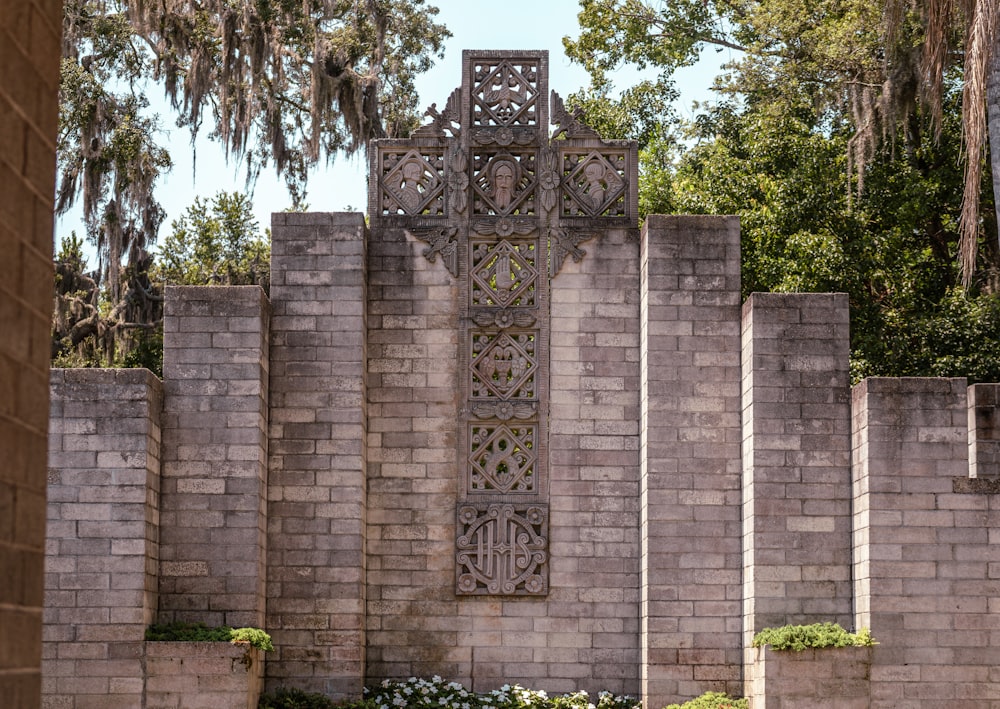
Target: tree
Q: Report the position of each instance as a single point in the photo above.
(775, 150)
(834, 51)
(282, 83)
(216, 242)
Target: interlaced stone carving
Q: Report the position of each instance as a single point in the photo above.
(502, 459)
(503, 365)
(504, 93)
(502, 549)
(505, 205)
(594, 184)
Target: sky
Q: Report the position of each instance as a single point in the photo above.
(342, 186)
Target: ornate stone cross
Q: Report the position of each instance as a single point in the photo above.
(503, 202)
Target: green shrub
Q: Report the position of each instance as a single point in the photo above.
(817, 635)
(712, 700)
(288, 698)
(199, 632)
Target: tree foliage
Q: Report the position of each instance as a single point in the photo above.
(215, 242)
(280, 83)
(778, 149)
(882, 70)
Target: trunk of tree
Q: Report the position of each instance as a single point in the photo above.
(993, 118)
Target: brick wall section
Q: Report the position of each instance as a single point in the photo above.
(202, 675)
(830, 678)
(584, 634)
(592, 619)
(796, 461)
(104, 485)
(215, 369)
(316, 488)
(29, 80)
(416, 626)
(984, 431)
(690, 457)
(926, 559)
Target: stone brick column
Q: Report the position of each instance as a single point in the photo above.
(796, 461)
(984, 431)
(690, 457)
(104, 487)
(29, 84)
(926, 552)
(215, 371)
(316, 491)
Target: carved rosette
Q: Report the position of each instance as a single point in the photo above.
(485, 188)
(502, 549)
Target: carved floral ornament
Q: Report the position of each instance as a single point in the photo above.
(486, 188)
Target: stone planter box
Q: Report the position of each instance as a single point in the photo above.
(203, 675)
(829, 678)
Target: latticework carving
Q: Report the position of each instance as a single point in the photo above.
(594, 183)
(502, 549)
(504, 273)
(504, 183)
(503, 204)
(503, 365)
(502, 458)
(412, 183)
(505, 93)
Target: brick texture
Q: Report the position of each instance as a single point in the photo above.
(29, 79)
(215, 368)
(796, 461)
(926, 556)
(316, 485)
(689, 488)
(103, 527)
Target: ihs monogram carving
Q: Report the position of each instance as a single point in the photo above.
(504, 205)
(502, 549)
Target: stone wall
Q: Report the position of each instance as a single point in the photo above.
(103, 535)
(215, 420)
(29, 80)
(699, 487)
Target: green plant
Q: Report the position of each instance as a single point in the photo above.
(817, 635)
(199, 632)
(712, 700)
(290, 698)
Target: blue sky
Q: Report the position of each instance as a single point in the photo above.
(474, 24)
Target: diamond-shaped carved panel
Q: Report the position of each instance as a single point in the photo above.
(503, 365)
(504, 274)
(412, 182)
(504, 183)
(595, 184)
(505, 93)
(502, 458)
(502, 549)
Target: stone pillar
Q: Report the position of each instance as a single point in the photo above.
(796, 461)
(690, 457)
(215, 371)
(29, 83)
(926, 553)
(984, 431)
(104, 487)
(316, 491)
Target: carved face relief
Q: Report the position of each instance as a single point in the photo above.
(503, 181)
